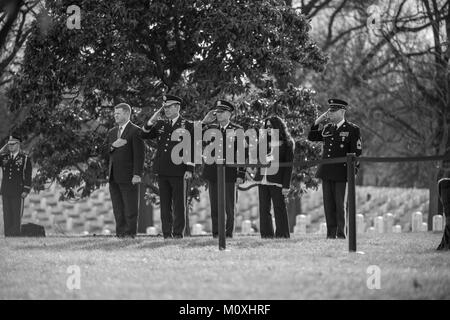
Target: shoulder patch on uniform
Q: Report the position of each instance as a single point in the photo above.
(359, 144)
(351, 124)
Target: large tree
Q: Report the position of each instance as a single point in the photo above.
(391, 60)
(15, 27)
(133, 51)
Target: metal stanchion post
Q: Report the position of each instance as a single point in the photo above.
(221, 203)
(351, 157)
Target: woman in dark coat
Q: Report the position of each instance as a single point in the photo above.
(274, 187)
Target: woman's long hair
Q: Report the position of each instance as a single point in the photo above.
(280, 124)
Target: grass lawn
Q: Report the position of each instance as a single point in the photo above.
(304, 267)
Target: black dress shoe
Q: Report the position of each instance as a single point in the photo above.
(168, 237)
(120, 235)
(178, 236)
(129, 235)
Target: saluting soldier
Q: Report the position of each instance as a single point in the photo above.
(171, 177)
(339, 137)
(16, 184)
(219, 118)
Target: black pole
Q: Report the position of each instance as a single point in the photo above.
(351, 202)
(186, 188)
(221, 203)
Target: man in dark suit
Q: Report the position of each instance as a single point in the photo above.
(339, 137)
(16, 184)
(171, 176)
(126, 166)
(219, 118)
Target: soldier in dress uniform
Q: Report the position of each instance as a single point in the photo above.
(16, 184)
(171, 177)
(219, 118)
(339, 137)
(444, 195)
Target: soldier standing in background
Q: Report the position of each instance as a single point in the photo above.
(339, 137)
(171, 177)
(16, 184)
(219, 118)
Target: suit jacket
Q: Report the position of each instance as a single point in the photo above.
(283, 175)
(128, 160)
(336, 144)
(231, 173)
(16, 174)
(162, 130)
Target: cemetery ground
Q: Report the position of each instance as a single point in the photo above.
(303, 267)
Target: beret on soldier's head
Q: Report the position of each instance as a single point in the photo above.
(336, 104)
(224, 105)
(169, 99)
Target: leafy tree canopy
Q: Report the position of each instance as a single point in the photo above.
(132, 51)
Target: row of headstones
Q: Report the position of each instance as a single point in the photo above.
(198, 229)
(382, 224)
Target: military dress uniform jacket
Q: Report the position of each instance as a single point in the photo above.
(336, 143)
(16, 174)
(231, 173)
(162, 130)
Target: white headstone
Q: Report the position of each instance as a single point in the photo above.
(379, 224)
(300, 229)
(197, 229)
(438, 223)
(300, 226)
(246, 227)
(43, 204)
(424, 227)
(69, 224)
(389, 222)
(397, 228)
(153, 231)
(416, 221)
(371, 230)
(323, 228)
(360, 225)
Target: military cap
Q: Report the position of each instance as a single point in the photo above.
(336, 104)
(224, 105)
(169, 99)
(14, 137)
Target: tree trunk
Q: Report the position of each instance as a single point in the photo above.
(434, 197)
